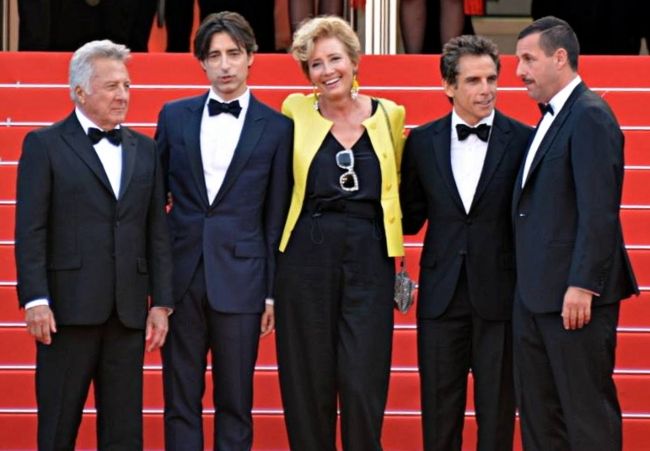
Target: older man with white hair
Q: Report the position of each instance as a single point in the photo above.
(91, 246)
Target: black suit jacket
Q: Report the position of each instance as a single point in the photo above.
(482, 238)
(566, 217)
(238, 234)
(78, 246)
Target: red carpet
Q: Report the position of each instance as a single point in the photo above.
(33, 93)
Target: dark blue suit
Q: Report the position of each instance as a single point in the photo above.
(224, 260)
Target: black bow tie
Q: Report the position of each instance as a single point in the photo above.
(215, 107)
(114, 136)
(482, 131)
(545, 108)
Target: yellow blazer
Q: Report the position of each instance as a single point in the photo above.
(310, 129)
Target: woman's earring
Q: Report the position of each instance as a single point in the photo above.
(354, 91)
(315, 99)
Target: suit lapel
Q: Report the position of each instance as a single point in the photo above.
(516, 195)
(250, 135)
(128, 159)
(78, 141)
(557, 124)
(192, 140)
(499, 138)
(442, 152)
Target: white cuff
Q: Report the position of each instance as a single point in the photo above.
(269, 301)
(36, 303)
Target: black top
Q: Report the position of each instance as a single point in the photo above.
(324, 173)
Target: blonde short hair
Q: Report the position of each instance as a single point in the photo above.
(314, 29)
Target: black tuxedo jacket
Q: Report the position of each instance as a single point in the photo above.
(238, 234)
(566, 217)
(482, 238)
(76, 244)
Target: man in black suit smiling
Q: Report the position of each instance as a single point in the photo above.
(572, 266)
(91, 245)
(458, 173)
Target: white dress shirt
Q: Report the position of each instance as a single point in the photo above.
(467, 158)
(219, 138)
(557, 102)
(109, 154)
(111, 159)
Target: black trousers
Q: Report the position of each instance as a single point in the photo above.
(565, 390)
(232, 339)
(109, 355)
(334, 324)
(448, 347)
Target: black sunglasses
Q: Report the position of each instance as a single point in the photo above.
(348, 180)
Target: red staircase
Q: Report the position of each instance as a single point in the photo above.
(33, 93)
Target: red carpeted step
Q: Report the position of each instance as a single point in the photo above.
(632, 351)
(8, 182)
(635, 186)
(637, 147)
(410, 70)
(641, 264)
(401, 433)
(7, 221)
(269, 432)
(635, 312)
(636, 224)
(637, 144)
(9, 312)
(403, 396)
(626, 105)
(11, 141)
(404, 386)
(16, 348)
(52, 104)
(7, 264)
(32, 104)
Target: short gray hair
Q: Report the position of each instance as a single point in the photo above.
(81, 64)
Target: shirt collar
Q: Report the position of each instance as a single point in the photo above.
(456, 119)
(86, 122)
(559, 99)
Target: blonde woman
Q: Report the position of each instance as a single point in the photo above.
(335, 276)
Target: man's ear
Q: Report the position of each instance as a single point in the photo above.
(81, 94)
(448, 89)
(561, 57)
